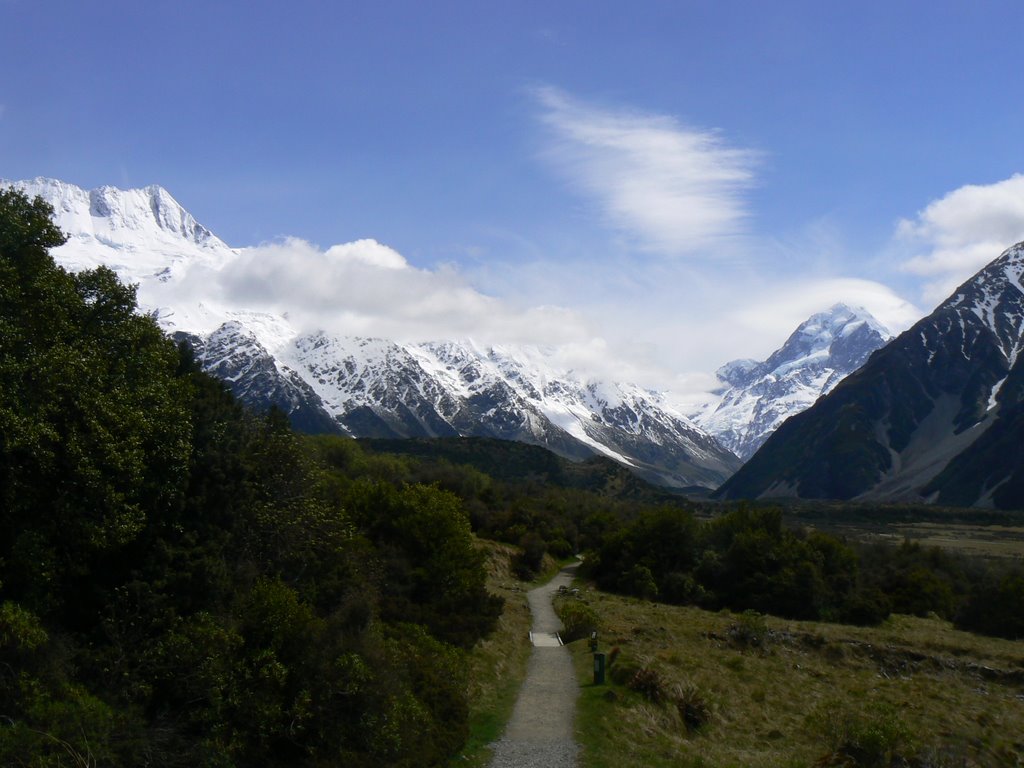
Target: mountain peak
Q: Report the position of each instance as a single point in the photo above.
(370, 386)
(113, 209)
(142, 234)
(759, 396)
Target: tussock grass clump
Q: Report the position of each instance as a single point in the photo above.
(693, 707)
(695, 711)
(750, 630)
(871, 737)
(648, 682)
(623, 671)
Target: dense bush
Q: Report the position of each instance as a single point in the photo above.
(745, 558)
(579, 620)
(871, 737)
(918, 580)
(995, 606)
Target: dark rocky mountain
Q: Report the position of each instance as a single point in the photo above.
(937, 415)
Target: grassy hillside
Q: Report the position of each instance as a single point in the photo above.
(789, 693)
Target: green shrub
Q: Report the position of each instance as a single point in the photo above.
(20, 630)
(867, 608)
(872, 737)
(749, 630)
(639, 581)
(623, 671)
(578, 618)
(996, 607)
(527, 563)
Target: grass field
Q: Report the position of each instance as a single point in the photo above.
(983, 533)
(786, 693)
(775, 692)
(1001, 541)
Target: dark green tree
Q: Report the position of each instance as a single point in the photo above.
(94, 434)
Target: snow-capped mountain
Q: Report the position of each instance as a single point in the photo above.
(363, 386)
(758, 396)
(142, 234)
(936, 415)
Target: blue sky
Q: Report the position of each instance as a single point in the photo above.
(680, 182)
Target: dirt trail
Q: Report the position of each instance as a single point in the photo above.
(540, 732)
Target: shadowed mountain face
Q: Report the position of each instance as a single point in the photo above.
(936, 415)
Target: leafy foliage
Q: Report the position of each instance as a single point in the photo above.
(745, 559)
(578, 619)
(995, 605)
(872, 737)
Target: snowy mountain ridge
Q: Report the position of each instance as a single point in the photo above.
(362, 386)
(990, 297)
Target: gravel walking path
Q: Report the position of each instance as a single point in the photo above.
(540, 733)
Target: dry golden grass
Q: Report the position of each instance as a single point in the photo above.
(953, 697)
(987, 541)
(976, 540)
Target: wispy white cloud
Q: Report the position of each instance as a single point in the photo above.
(667, 325)
(958, 234)
(673, 189)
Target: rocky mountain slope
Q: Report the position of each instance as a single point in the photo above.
(757, 397)
(937, 415)
(370, 387)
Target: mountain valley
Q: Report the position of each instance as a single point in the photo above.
(952, 380)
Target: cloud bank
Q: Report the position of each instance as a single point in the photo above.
(361, 288)
(672, 189)
(958, 234)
